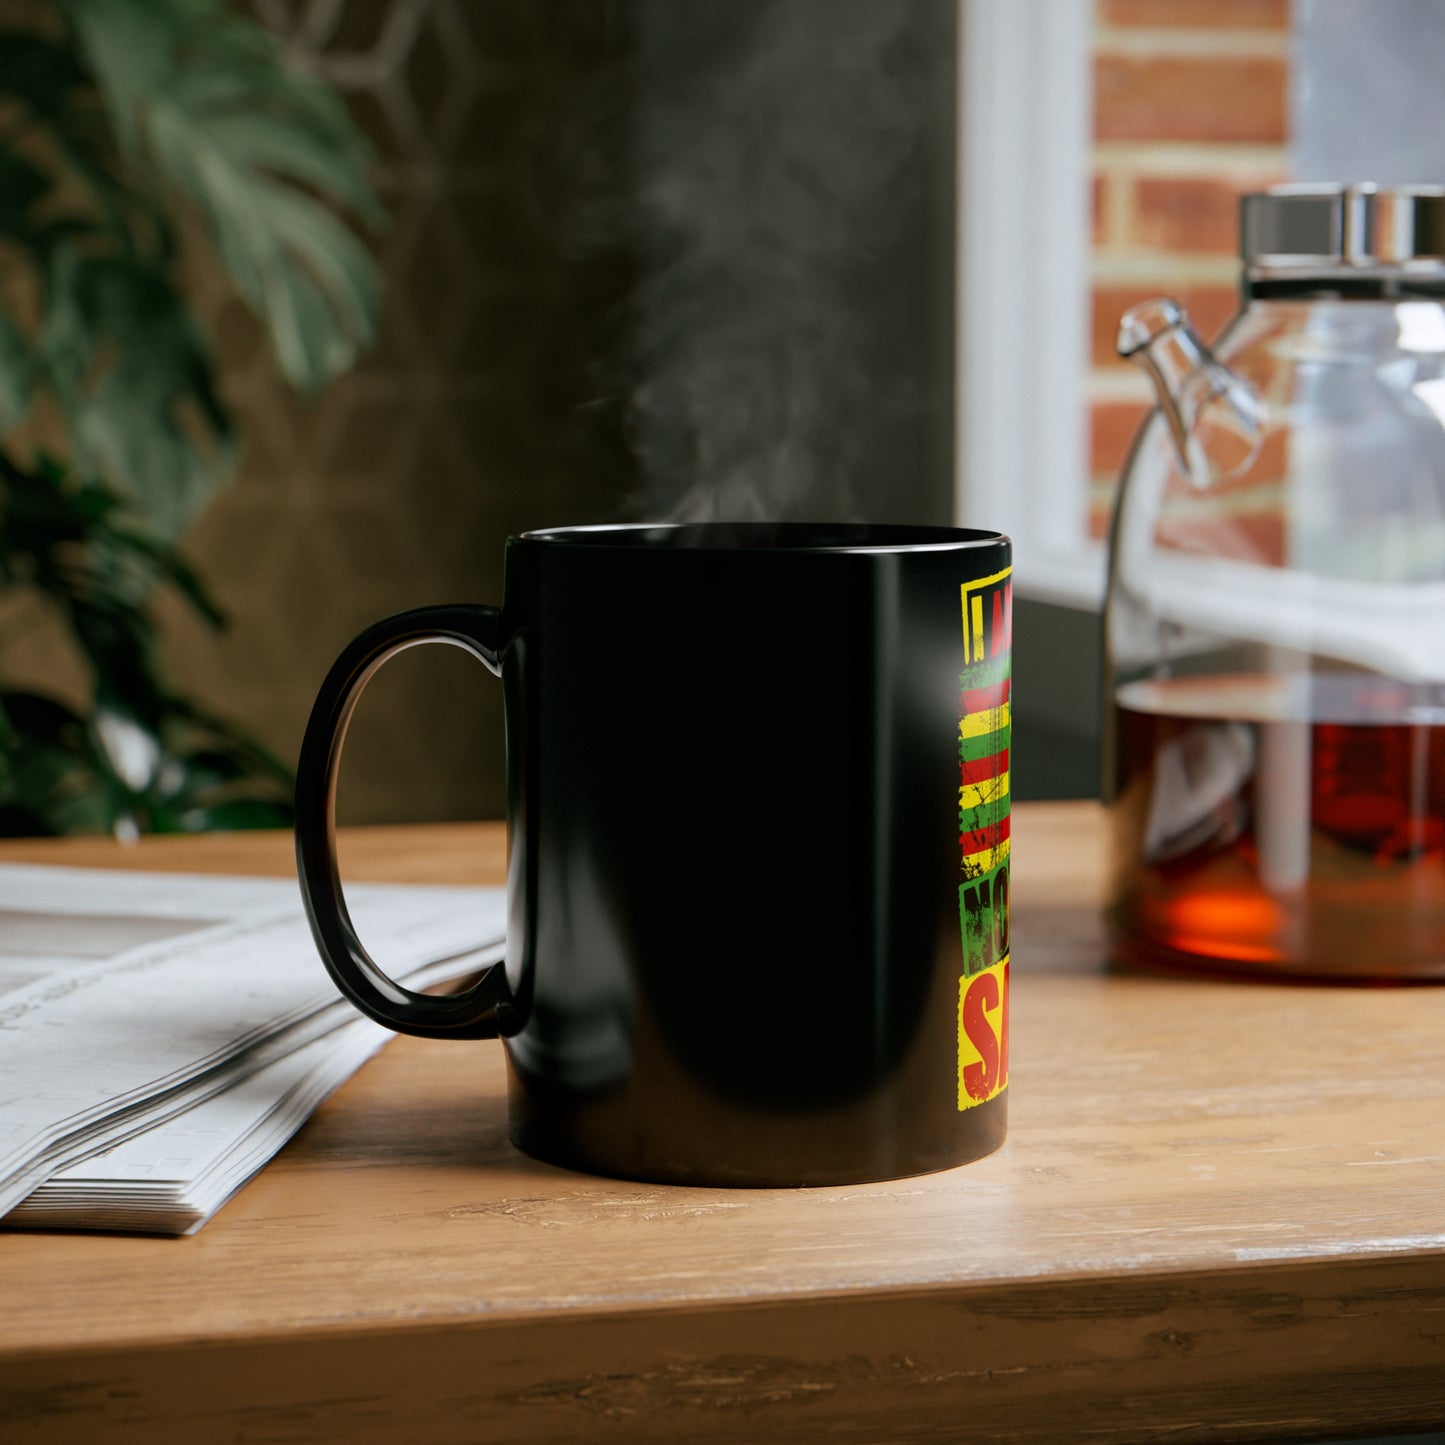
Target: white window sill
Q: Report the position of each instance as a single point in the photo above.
(1072, 578)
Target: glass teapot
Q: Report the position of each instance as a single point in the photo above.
(1275, 623)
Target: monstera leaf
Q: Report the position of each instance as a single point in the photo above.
(148, 416)
(203, 99)
(15, 377)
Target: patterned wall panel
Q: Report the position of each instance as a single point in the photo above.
(475, 417)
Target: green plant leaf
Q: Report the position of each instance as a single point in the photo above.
(306, 275)
(264, 153)
(232, 814)
(64, 773)
(135, 104)
(209, 731)
(17, 375)
(21, 186)
(51, 784)
(134, 378)
(54, 93)
(40, 74)
(129, 47)
(170, 566)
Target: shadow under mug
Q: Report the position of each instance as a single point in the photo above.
(758, 811)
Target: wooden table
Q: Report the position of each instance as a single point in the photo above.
(1220, 1214)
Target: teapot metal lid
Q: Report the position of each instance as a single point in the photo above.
(1339, 232)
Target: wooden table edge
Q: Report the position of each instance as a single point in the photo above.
(1118, 1358)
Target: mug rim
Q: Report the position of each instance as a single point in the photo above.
(868, 537)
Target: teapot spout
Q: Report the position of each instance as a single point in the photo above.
(1216, 418)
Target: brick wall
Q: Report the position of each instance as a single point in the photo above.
(1190, 111)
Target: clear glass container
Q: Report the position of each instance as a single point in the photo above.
(1275, 623)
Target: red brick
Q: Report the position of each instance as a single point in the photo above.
(1217, 522)
(1101, 516)
(1256, 489)
(1270, 467)
(1175, 97)
(1112, 427)
(1209, 307)
(1187, 213)
(1198, 14)
(1244, 536)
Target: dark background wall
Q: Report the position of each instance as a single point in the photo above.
(1056, 702)
(646, 258)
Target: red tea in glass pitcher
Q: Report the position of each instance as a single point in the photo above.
(1283, 825)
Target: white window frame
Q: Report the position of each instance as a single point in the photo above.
(1023, 233)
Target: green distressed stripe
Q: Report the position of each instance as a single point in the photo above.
(981, 674)
(985, 745)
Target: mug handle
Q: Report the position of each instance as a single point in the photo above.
(471, 1014)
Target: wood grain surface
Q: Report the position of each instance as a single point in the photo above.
(1220, 1214)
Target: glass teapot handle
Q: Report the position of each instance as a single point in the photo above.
(1216, 418)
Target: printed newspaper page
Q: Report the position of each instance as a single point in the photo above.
(127, 999)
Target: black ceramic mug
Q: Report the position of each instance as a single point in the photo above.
(758, 813)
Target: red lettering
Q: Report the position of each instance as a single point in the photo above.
(981, 999)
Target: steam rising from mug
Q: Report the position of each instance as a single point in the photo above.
(786, 344)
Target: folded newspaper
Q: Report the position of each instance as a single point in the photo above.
(163, 1034)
